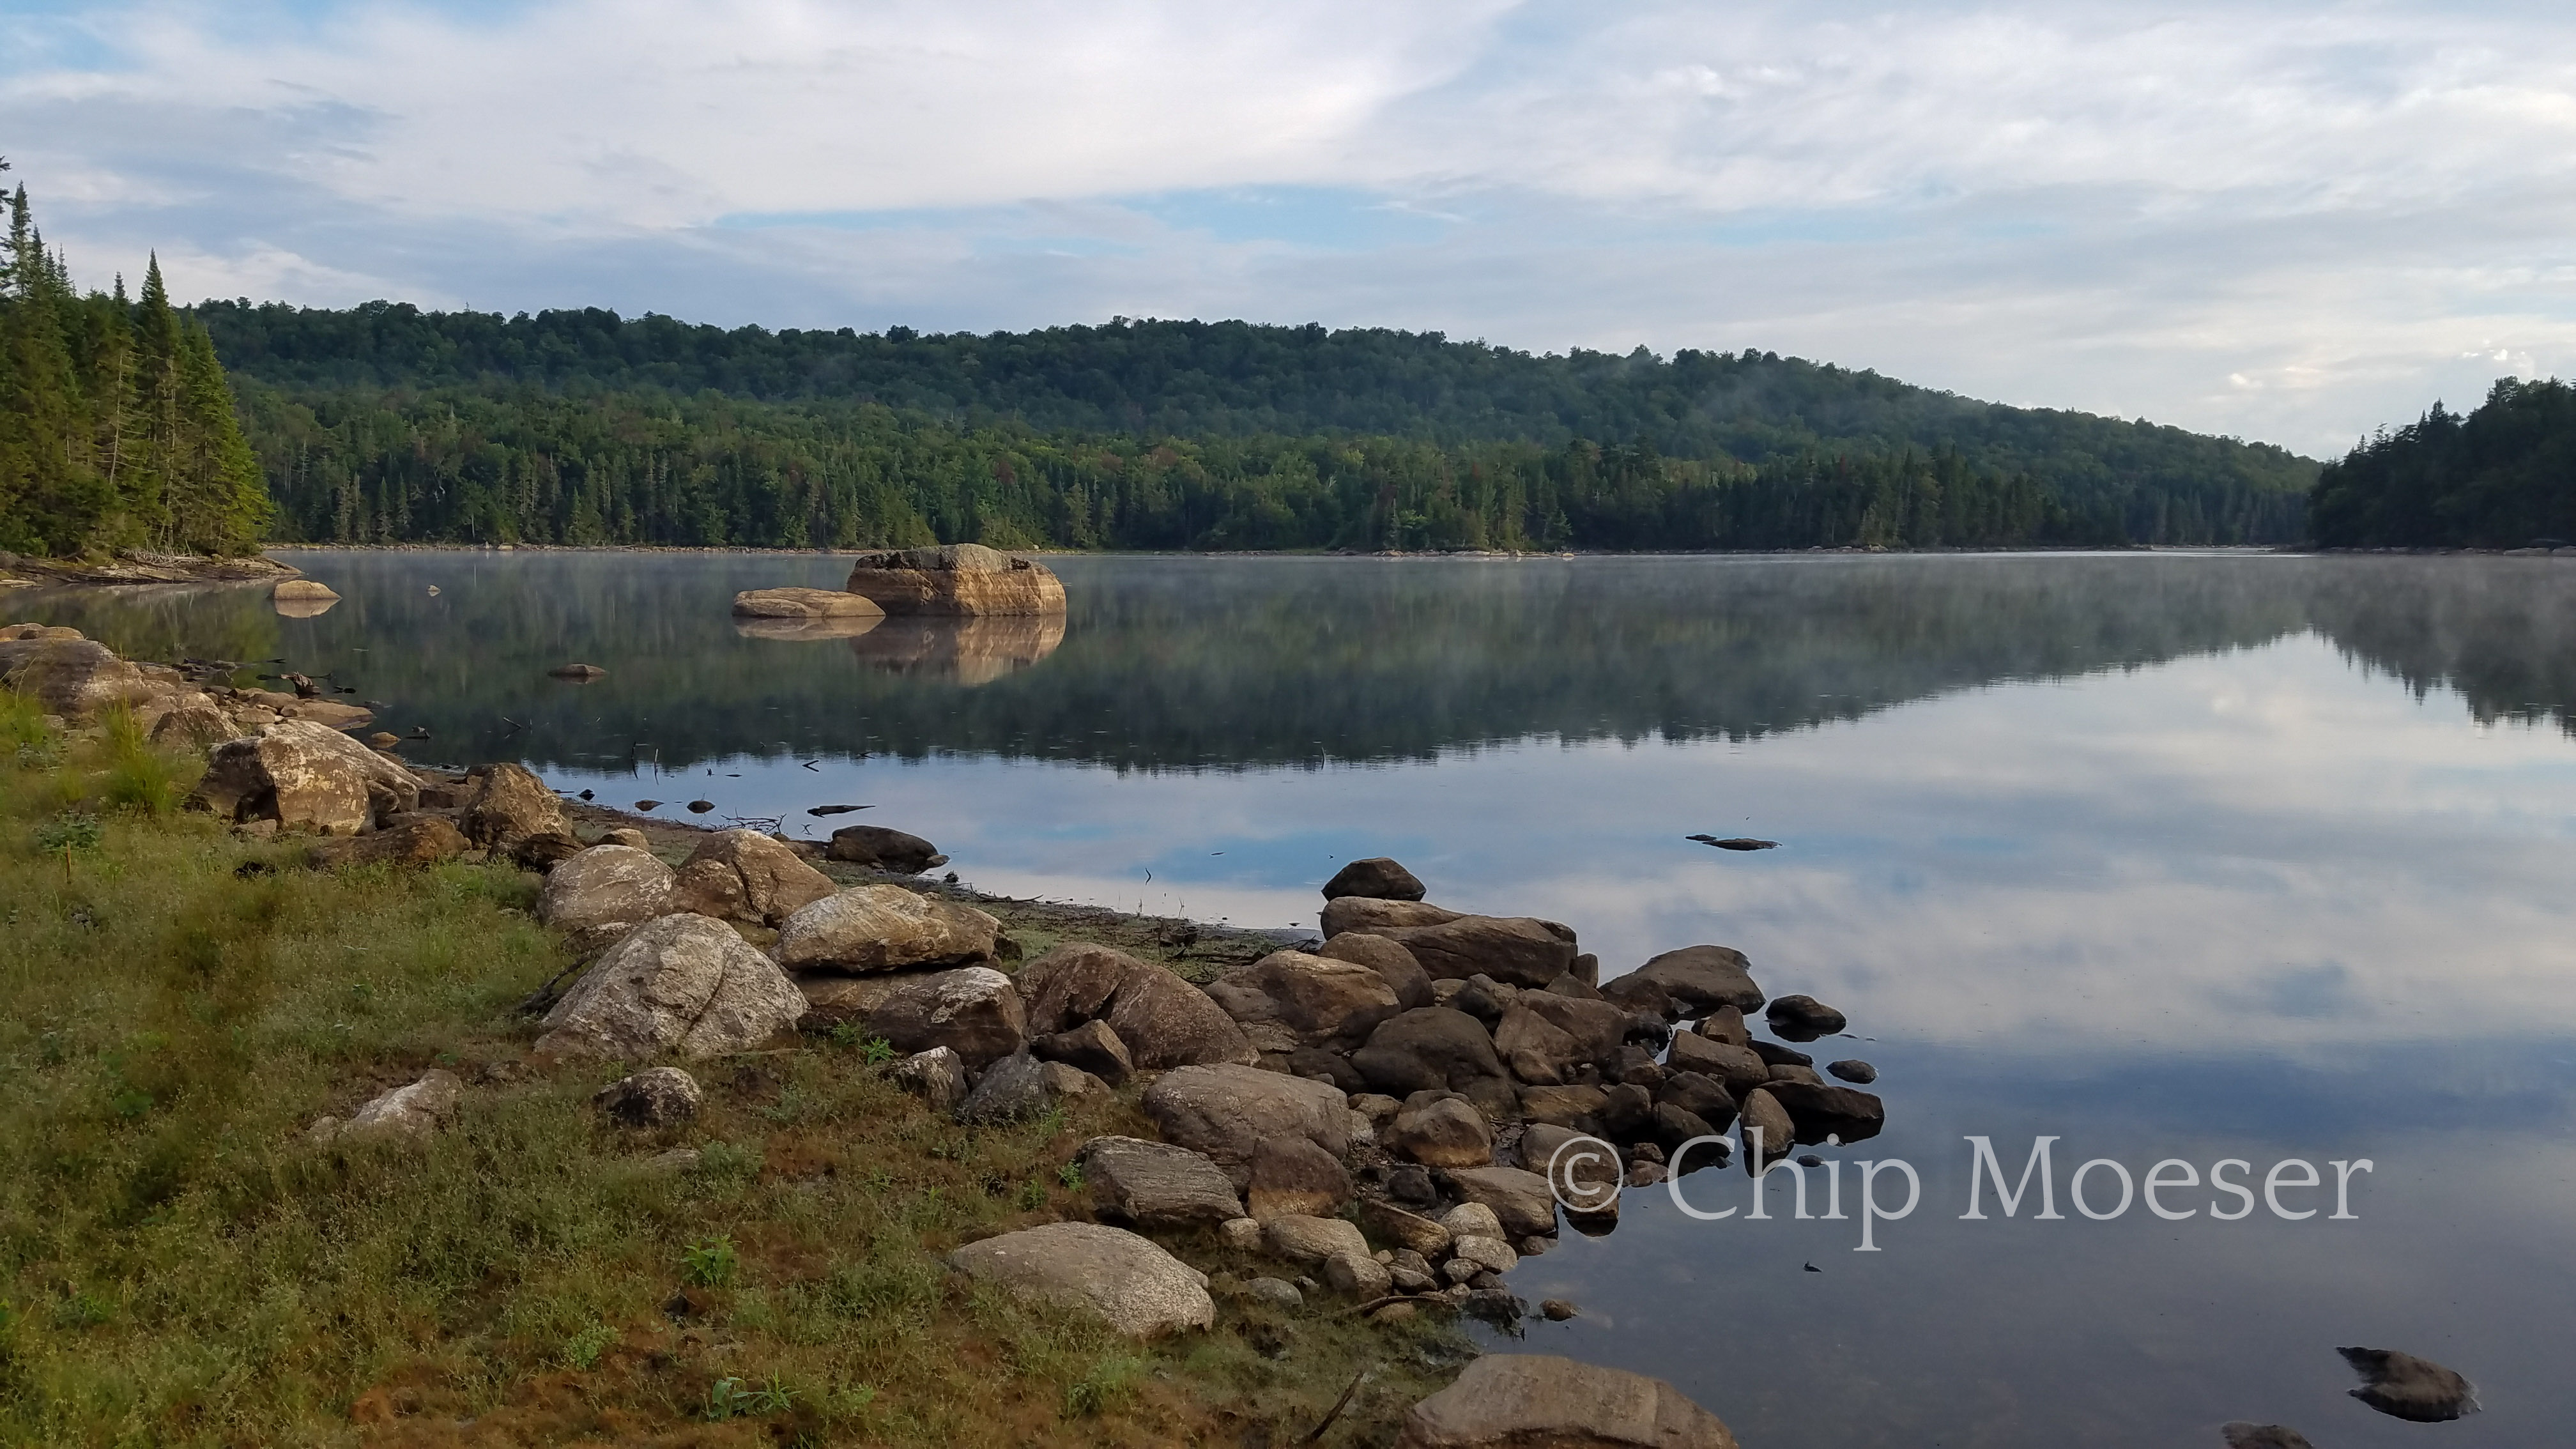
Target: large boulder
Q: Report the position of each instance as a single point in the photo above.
(971, 1010)
(421, 842)
(879, 848)
(1228, 1111)
(305, 776)
(1165, 1021)
(1378, 878)
(1515, 950)
(1091, 1047)
(603, 892)
(680, 985)
(1563, 1106)
(883, 928)
(509, 804)
(1394, 964)
(1700, 979)
(1803, 1018)
(1699, 1094)
(1124, 1280)
(743, 875)
(1426, 1048)
(193, 727)
(1740, 1069)
(1597, 1027)
(1373, 915)
(804, 604)
(1154, 1184)
(1540, 1401)
(74, 678)
(958, 578)
(1289, 999)
(1302, 1238)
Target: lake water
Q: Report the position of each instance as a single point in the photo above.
(2167, 856)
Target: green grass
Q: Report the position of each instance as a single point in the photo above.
(179, 1266)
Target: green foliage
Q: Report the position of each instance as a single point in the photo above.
(139, 776)
(24, 740)
(117, 428)
(1070, 1175)
(385, 424)
(69, 831)
(583, 1349)
(1109, 1382)
(732, 1398)
(710, 1264)
(2502, 476)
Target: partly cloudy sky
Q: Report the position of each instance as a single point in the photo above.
(2287, 221)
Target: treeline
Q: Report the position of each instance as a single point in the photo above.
(464, 465)
(1234, 391)
(116, 425)
(2502, 476)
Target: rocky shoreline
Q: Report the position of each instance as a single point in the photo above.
(18, 571)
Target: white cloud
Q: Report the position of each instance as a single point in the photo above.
(2285, 220)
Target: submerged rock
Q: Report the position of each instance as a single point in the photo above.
(2406, 1387)
(1540, 1401)
(804, 604)
(2241, 1435)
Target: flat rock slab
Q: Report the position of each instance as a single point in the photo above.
(1132, 1285)
(972, 1010)
(1228, 1111)
(804, 604)
(1540, 1401)
(1154, 1184)
(957, 578)
(1702, 978)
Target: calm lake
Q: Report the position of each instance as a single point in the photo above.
(2165, 856)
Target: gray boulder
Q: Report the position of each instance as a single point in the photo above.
(304, 776)
(1228, 1111)
(1520, 1200)
(679, 985)
(407, 1113)
(1369, 914)
(1293, 1175)
(603, 892)
(883, 928)
(1516, 950)
(1358, 1275)
(1126, 1281)
(1163, 1020)
(972, 1010)
(1702, 978)
(1539, 1401)
(1091, 1047)
(1445, 1132)
(1154, 1184)
(1378, 877)
(1020, 1087)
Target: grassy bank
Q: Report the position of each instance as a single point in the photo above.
(179, 1266)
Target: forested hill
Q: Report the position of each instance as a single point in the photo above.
(1228, 399)
(2502, 476)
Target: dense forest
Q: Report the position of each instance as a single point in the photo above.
(117, 429)
(2502, 476)
(385, 423)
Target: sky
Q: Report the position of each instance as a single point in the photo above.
(2292, 222)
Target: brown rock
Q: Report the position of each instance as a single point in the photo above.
(1378, 878)
(804, 604)
(868, 929)
(1164, 1021)
(1154, 1184)
(1563, 1106)
(1428, 1047)
(420, 842)
(302, 775)
(74, 677)
(196, 726)
(1413, 1232)
(1516, 950)
(1289, 999)
(508, 805)
(1536, 1049)
(971, 1010)
(879, 848)
(1446, 1132)
(1738, 1068)
(1228, 1111)
(1521, 1200)
(1376, 917)
(654, 1097)
(1092, 1047)
(743, 875)
(1596, 1027)
(1703, 978)
(1726, 1024)
(1820, 1111)
(1762, 1113)
(1293, 1175)
(1390, 961)
(961, 578)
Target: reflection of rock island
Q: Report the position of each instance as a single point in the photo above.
(975, 650)
(832, 626)
(302, 599)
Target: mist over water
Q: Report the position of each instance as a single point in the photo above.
(2169, 856)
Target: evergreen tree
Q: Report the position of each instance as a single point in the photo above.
(50, 500)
